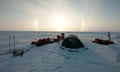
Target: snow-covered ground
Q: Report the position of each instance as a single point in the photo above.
(50, 58)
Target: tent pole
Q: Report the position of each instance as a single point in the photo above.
(9, 42)
(14, 41)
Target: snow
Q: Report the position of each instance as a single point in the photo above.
(50, 58)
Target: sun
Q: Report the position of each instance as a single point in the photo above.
(60, 23)
(36, 25)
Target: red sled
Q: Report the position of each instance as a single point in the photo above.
(104, 42)
(41, 42)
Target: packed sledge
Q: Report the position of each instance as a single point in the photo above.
(104, 42)
(48, 40)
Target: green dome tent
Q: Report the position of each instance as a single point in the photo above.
(72, 42)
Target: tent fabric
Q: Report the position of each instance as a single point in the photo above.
(72, 41)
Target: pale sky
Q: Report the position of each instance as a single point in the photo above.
(60, 15)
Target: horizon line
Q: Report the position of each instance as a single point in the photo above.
(51, 31)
